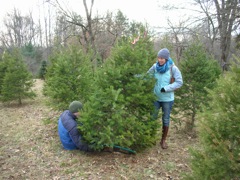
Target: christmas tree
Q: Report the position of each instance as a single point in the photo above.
(68, 78)
(200, 71)
(16, 81)
(118, 112)
(218, 154)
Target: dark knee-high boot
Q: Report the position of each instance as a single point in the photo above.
(164, 137)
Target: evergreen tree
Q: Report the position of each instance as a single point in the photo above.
(28, 50)
(32, 56)
(43, 70)
(218, 155)
(3, 69)
(199, 72)
(68, 78)
(118, 112)
(17, 81)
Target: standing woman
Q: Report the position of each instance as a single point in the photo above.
(164, 71)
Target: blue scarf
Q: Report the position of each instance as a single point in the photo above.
(165, 67)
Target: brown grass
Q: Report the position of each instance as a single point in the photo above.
(30, 149)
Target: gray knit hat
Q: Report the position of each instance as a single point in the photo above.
(75, 106)
(164, 53)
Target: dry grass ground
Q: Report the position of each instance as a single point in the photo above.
(30, 149)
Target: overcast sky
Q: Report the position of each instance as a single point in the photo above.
(140, 10)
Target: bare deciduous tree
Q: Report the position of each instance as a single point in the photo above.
(20, 30)
(87, 36)
(180, 35)
(214, 22)
(97, 33)
(223, 20)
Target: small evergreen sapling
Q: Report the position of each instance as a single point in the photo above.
(43, 70)
(3, 69)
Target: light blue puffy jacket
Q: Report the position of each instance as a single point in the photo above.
(163, 81)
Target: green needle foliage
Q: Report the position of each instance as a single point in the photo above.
(3, 69)
(118, 112)
(15, 80)
(43, 70)
(199, 71)
(219, 155)
(69, 77)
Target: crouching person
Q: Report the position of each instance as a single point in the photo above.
(68, 131)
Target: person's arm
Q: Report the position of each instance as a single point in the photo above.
(178, 80)
(77, 139)
(151, 71)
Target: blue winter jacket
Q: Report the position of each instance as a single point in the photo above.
(69, 134)
(163, 81)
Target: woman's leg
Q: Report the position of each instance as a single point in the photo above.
(157, 106)
(166, 108)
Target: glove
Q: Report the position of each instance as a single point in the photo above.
(163, 90)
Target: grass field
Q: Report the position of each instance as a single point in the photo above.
(30, 149)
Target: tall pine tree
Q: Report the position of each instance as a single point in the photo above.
(218, 155)
(16, 81)
(43, 70)
(118, 112)
(69, 77)
(3, 69)
(199, 71)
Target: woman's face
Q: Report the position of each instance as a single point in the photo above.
(161, 61)
(77, 114)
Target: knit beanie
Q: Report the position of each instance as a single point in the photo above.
(75, 106)
(164, 53)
